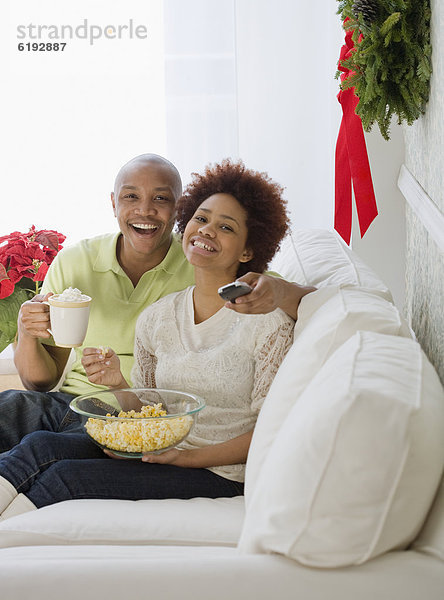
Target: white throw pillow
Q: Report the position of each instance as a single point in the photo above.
(354, 468)
(326, 319)
(320, 257)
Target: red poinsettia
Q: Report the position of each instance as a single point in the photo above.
(27, 255)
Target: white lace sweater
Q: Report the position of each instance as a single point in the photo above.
(229, 360)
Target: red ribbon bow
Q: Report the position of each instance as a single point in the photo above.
(351, 159)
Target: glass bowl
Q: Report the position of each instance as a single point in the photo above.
(137, 421)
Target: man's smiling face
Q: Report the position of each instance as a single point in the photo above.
(144, 203)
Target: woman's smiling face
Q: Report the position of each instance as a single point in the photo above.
(216, 235)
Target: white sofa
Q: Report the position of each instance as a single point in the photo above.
(343, 494)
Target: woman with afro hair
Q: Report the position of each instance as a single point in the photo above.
(232, 220)
(261, 198)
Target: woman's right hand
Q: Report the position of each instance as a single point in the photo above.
(102, 367)
(33, 318)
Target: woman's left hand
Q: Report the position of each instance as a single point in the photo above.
(230, 452)
(169, 457)
(116, 456)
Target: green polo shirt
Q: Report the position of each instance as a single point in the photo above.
(92, 267)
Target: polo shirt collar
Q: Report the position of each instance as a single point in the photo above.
(107, 258)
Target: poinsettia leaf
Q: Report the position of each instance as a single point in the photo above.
(48, 239)
(6, 288)
(7, 336)
(3, 238)
(41, 273)
(9, 308)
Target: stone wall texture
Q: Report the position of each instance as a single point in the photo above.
(424, 142)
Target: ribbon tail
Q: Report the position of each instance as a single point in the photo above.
(363, 188)
(358, 162)
(343, 187)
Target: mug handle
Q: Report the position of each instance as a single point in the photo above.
(48, 304)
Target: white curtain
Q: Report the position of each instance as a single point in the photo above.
(214, 78)
(70, 119)
(255, 79)
(200, 82)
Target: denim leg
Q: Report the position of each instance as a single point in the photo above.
(22, 412)
(24, 463)
(51, 467)
(126, 480)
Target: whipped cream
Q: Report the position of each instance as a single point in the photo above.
(72, 295)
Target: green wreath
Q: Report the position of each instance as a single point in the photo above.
(392, 62)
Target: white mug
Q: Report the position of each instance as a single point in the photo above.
(69, 321)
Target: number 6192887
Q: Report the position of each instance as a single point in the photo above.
(42, 46)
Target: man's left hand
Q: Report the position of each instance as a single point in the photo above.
(264, 298)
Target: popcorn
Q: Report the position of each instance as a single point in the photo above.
(142, 436)
(72, 295)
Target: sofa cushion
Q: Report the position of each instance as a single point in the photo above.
(431, 538)
(199, 521)
(320, 257)
(327, 318)
(354, 468)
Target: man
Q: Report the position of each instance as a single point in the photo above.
(123, 273)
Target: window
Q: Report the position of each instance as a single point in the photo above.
(70, 118)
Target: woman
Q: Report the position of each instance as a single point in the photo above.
(232, 220)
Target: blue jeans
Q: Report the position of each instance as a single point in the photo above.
(51, 467)
(22, 412)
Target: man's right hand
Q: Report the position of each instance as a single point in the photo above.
(39, 365)
(33, 317)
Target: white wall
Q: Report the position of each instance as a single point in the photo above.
(288, 112)
(384, 245)
(289, 120)
(425, 161)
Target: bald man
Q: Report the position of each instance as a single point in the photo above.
(123, 273)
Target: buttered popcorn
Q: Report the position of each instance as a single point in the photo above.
(142, 436)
